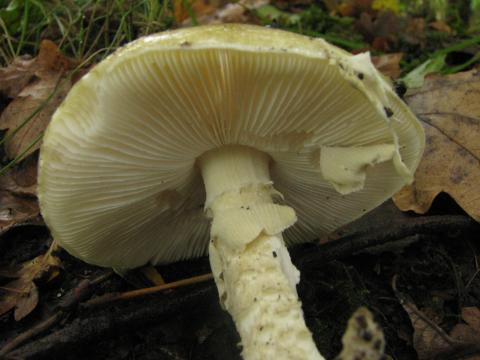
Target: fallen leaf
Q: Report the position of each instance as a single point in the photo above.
(441, 26)
(449, 109)
(429, 340)
(16, 76)
(17, 210)
(432, 342)
(45, 84)
(185, 9)
(22, 293)
(468, 333)
(414, 32)
(238, 12)
(380, 29)
(22, 178)
(388, 64)
(351, 8)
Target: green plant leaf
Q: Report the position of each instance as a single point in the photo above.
(415, 78)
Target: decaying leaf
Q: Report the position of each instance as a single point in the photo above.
(441, 26)
(449, 108)
(469, 333)
(414, 32)
(363, 338)
(388, 64)
(197, 8)
(16, 76)
(16, 210)
(44, 84)
(22, 293)
(380, 29)
(18, 188)
(22, 178)
(228, 12)
(431, 341)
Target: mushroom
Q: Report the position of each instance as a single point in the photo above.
(230, 140)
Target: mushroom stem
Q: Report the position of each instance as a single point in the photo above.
(255, 277)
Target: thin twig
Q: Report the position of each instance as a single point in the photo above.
(108, 298)
(30, 333)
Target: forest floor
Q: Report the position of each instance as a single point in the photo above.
(418, 272)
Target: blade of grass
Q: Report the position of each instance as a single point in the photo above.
(187, 4)
(20, 157)
(8, 39)
(24, 26)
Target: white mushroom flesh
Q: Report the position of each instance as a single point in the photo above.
(253, 271)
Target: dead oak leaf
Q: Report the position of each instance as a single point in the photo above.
(450, 113)
(45, 83)
(22, 292)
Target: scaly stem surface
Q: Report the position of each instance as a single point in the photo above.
(255, 277)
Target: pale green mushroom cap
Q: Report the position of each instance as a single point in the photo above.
(118, 181)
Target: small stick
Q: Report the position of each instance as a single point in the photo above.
(108, 298)
(25, 336)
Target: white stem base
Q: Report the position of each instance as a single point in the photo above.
(259, 287)
(255, 277)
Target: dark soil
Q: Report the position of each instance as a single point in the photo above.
(432, 257)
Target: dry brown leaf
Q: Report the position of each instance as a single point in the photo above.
(238, 12)
(16, 76)
(431, 342)
(441, 26)
(388, 64)
(414, 32)
(351, 8)
(449, 108)
(22, 178)
(17, 210)
(22, 293)
(380, 29)
(468, 333)
(183, 9)
(42, 78)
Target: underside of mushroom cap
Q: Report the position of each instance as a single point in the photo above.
(118, 181)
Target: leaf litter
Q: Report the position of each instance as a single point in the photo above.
(449, 109)
(23, 80)
(431, 341)
(22, 293)
(37, 87)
